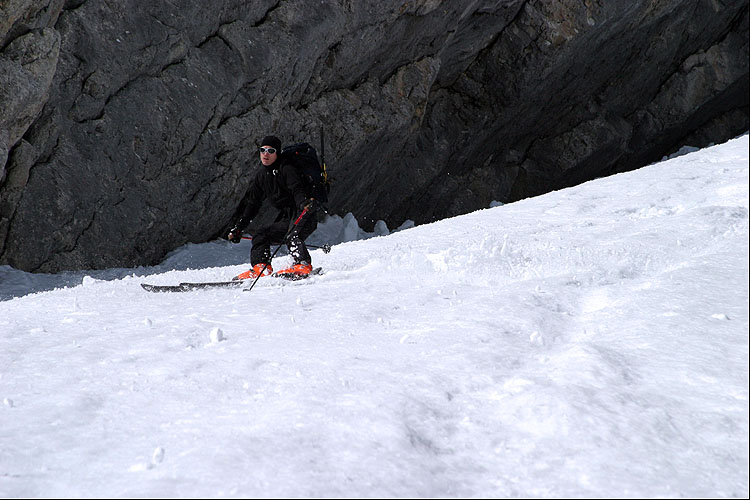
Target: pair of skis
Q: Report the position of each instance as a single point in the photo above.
(190, 286)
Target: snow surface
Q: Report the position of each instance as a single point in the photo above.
(591, 342)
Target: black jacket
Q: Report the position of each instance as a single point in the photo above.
(281, 184)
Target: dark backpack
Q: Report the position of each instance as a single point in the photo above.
(305, 158)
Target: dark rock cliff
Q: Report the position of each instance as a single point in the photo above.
(129, 128)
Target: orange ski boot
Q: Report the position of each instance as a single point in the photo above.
(257, 270)
(296, 272)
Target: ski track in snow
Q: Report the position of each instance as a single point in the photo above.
(589, 342)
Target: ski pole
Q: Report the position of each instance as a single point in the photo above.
(326, 247)
(288, 233)
(323, 161)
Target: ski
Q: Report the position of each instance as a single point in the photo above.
(297, 277)
(292, 276)
(188, 286)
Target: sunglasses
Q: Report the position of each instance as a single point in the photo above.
(270, 151)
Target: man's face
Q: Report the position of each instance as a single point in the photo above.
(267, 157)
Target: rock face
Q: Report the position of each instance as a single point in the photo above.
(129, 128)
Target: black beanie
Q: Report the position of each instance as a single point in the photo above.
(272, 141)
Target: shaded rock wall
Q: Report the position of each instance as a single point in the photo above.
(129, 128)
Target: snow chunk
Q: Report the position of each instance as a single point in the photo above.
(158, 456)
(216, 335)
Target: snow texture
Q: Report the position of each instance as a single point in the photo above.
(591, 342)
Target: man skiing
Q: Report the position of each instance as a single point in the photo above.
(279, 181)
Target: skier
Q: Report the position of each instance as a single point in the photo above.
(280, 182)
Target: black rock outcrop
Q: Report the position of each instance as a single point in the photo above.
(129, 128)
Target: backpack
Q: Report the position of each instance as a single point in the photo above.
(305, 158)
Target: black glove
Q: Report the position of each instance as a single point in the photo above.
(235, 235)
(311, 205)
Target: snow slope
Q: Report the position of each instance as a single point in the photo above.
(591, 342)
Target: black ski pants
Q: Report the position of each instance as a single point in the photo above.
(273, 234)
